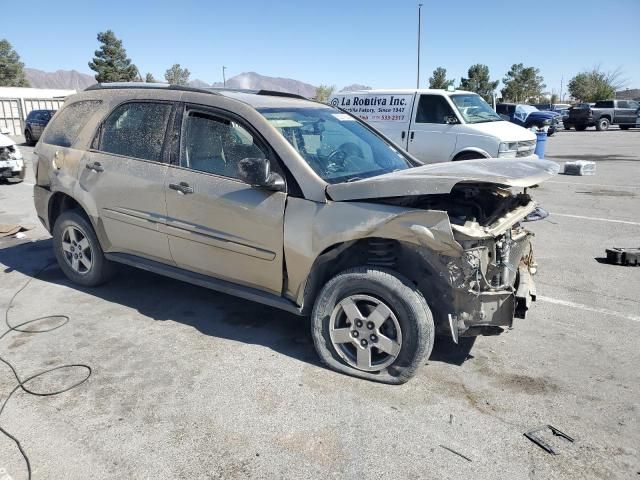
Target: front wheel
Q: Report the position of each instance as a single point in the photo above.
(374, 324)
(28, 138)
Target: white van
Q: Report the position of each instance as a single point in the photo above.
(439, 125)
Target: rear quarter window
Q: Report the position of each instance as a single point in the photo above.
(66, 126)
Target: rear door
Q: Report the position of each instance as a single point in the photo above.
(431, 138)
(124, 174)
(217, 224)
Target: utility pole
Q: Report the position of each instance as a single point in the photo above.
(419, 28)
(561, 82)
(224, 79)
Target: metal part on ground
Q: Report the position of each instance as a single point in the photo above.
(532, 435)
(623, 256)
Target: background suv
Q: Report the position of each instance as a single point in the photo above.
(292, 203)
(35, 123)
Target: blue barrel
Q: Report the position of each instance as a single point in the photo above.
(541, 143)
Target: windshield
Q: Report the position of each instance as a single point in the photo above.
(335, 145)
(474, 109)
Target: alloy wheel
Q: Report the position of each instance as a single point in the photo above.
(77, 250)
(365, 332)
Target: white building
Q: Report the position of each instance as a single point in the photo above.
(17, 102)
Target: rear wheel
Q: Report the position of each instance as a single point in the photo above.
(374, 324)
(602, 125)
(78, 251)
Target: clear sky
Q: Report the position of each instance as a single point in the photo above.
(335, 42)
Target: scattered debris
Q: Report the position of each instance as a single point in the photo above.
(580, 167)
(538, 214)
(623, 256)
(10, 229)
(457, 453)
(450, 418)
(538, 440)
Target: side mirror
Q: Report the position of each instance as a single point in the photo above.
(257, 172)
(451, 120)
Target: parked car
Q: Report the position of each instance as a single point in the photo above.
(552, 107)
(12, 168)
(528, 116)
(294, 204)
(603, 114)
(34, 124)
(438, 125)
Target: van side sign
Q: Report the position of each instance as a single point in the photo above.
(376, 108)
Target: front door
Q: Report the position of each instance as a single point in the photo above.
(124, 174)
(431, 138)
(217, 224)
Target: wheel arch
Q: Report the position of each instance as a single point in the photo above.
(470, 150)
(373, 251)
(61, 202)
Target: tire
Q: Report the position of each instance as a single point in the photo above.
(468, 156)
(581, 128)
(28, 138)
(566, 127)
(625, 127)
(407, 327)
(89, 268)
(602, 124)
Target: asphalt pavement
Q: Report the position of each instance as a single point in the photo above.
(188, 383)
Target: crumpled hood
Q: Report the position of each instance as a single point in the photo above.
(440, 178)
(5, 141)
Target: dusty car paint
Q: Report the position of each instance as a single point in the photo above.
(327, 222)
(440, 178)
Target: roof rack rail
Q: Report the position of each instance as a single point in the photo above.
(274, 93)
(143, 85)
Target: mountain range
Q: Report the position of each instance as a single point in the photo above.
(72, 79)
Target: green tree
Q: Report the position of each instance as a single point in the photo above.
(149, 78)
(11, 68)
(522, 84)
(323, 92)
(594, 85)
(439, 79)
(177, 75)
(111, 63)
(479, 81)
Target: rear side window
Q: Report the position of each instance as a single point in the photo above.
(623, 104)
(136, 130)
(604, 104)
(433, 109)
(65, 128)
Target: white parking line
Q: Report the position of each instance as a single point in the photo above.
(599, 219)
(604, 311)
(593, 184)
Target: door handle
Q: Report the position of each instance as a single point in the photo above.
(95, 166)
(412, 134)
(182, 188)
(403, 134)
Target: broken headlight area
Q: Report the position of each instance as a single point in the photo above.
(482, 288)
(11, 162)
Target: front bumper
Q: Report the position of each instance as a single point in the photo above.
(12, 169)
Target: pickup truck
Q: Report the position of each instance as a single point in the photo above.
(603, 114)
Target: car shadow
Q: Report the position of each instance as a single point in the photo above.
(211, 313)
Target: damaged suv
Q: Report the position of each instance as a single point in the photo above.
(294, 204)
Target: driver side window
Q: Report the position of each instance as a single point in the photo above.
(214, 144)
(433, 109)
